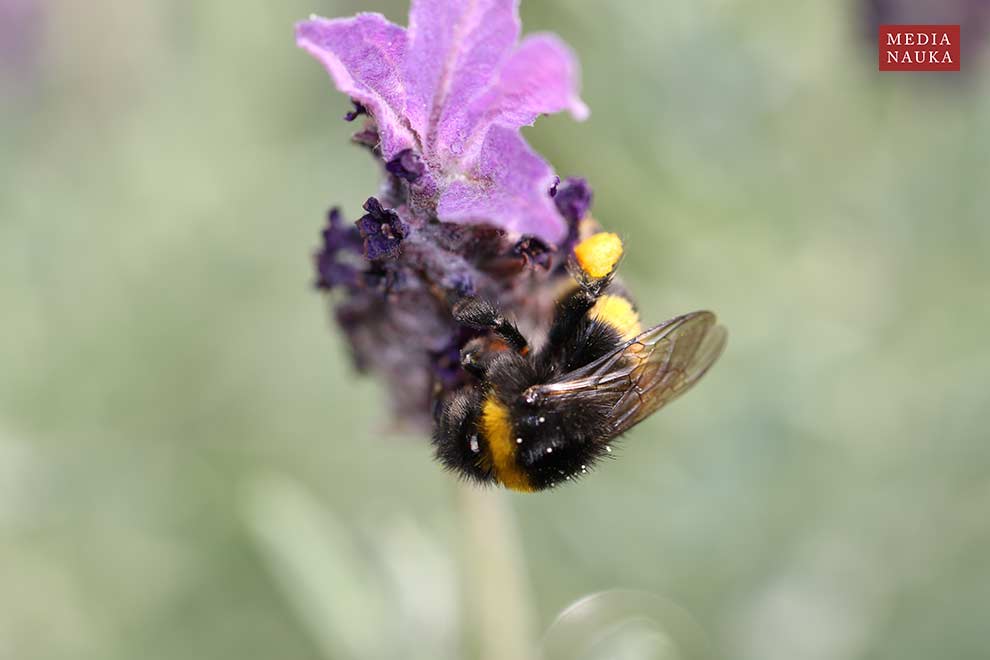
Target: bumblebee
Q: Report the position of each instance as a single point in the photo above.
(538, 418)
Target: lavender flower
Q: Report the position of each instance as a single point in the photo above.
(466, 206)
(21, 34)
(454, 89)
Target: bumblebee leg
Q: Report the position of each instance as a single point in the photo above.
(568, 317)
(594, 261)
(478, 313)
(592, 266)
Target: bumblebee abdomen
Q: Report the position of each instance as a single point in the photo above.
(530, 451)
(618, 312)
(496, 425)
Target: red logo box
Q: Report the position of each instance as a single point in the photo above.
(919, 47)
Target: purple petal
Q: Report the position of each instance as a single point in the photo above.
(507, 188)
(455, 49)
(541, 77)
(365, 56)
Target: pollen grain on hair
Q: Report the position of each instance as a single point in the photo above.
(598, 254)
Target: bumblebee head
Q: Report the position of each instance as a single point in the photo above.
(456, 441)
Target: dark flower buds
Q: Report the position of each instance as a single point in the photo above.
(382, 231)
(534, 251)
(573, 198)
(331, 269)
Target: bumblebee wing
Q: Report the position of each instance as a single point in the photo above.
(666, 365)
(644, 374)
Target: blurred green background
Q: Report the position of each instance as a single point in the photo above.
(189, 469)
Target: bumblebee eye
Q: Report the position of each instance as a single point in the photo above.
(474, 445)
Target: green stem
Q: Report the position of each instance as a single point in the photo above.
(496, 572)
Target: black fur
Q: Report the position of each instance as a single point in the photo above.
(482, 314)
(560, 440)
(455, 428)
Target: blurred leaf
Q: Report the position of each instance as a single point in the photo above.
(327, 579)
